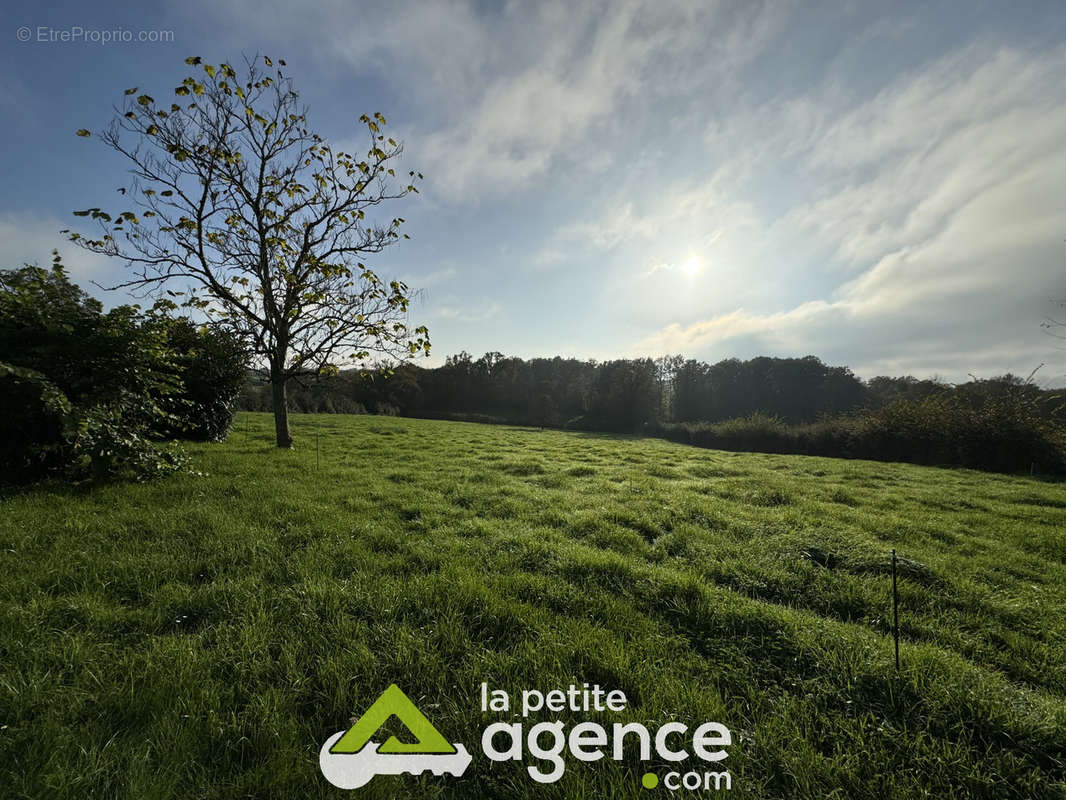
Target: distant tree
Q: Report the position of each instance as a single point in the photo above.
(691, 399)
(543, 410)
(731, 392)
(666, 369)
(883, 390)
(625, 395)
(265, 222)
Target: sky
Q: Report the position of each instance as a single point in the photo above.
(882, 185)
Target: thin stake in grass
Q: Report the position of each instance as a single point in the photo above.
(895, 608)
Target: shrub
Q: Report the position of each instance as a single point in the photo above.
(1006, 434)
(108, 446)
(757, 432)
(84, 392)
(37, 422)
(44, 433)
(210, 364)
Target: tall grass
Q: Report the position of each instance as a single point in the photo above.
(202, 636)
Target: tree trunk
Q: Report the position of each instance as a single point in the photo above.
(281, 409)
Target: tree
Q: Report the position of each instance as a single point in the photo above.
(666, 370)
(692, 392)
(264, 220)
(625, 395)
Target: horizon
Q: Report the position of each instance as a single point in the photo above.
(474, 357)
(876, 188)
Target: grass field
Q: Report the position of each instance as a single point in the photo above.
(202, 636)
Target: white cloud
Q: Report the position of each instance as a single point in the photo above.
(514, 92)
(534, 111)
(620, 225)
(899, 165)
(436, 278)
(465, 313)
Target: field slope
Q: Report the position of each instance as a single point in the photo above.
(201, 636)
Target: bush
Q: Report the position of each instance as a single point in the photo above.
(89, 394)
(37, 422)
(44, 433)
(107, 446)
(1004, 434)
(209, 367)
(759, 433)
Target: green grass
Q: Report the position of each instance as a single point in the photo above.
(201, 636)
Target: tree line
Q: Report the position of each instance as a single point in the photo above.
(630, 395)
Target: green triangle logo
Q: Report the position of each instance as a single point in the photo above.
(393, 703)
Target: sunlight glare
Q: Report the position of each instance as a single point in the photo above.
(691, 265)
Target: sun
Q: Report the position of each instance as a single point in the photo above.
(691, 265)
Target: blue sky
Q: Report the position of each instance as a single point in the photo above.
(881, 185)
